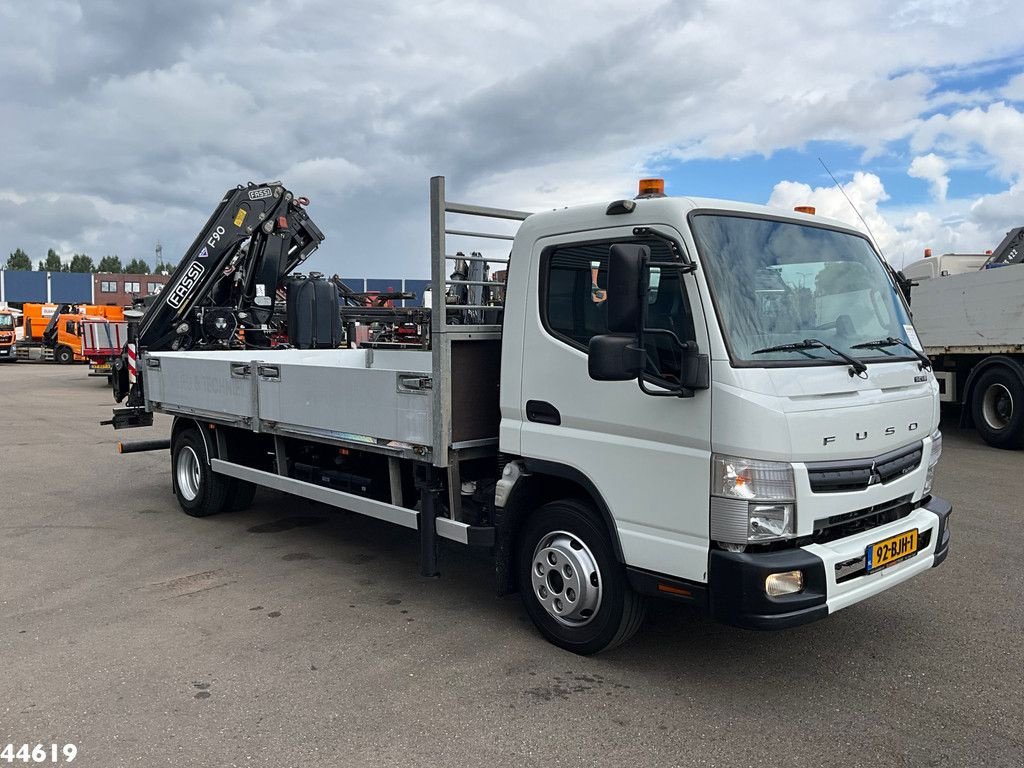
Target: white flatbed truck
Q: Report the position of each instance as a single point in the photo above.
(972, 326)
(669, 402)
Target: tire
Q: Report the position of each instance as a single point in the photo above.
(200, 492)
(997, 407)
(64, 355)
(580, 614)
(241, 494)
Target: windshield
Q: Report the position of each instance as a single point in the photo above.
(6, 322)
(777, 282)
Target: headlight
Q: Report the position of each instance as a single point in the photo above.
(751, 479)
(752, 501)
(933, 459)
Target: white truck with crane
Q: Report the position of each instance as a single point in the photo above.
(709, 402)
(969, 312)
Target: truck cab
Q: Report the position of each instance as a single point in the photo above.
(7, 336)
(760, 486)
(945, 265)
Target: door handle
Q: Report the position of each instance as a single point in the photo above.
(542, 412)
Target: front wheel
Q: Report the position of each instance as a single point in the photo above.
(63, 355)
(997, 406)
(572, 586)
(200, 491)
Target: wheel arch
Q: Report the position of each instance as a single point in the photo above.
(183, 423)
(542, 482)
(987, 364)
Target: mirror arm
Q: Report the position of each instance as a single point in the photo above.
(684, 264)
(679, 391)
(685, 346)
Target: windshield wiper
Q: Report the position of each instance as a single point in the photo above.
(856, 366)
(894, 342)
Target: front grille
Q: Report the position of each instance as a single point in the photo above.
(849, 523)
(845, 524)
(858, 474)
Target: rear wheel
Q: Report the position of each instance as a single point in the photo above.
(200, 492)
(997, 406)
(241, 494)
(572, 586)
(63, 355)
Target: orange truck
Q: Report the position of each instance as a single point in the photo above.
(56, 329)
(7, 335)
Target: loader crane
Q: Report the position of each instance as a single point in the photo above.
(227, 281)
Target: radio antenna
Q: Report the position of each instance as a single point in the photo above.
(902, 283)
(843, 191)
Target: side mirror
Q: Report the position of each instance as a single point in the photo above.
(615, 357)
(627, 288)
(904, 284)
(619, 355)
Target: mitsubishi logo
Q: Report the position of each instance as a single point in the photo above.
(874, 478)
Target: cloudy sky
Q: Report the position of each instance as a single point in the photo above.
(124, 122)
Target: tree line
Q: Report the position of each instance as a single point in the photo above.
(80, 262)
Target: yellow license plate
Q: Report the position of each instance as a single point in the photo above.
(892, 550)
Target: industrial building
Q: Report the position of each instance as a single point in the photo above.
(20, 287)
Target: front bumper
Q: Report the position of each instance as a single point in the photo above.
(7, 351)
(736, 580)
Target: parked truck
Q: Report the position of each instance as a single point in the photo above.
(102, 342)
(54, 331)
(8, 344)
(710, 402)
(969, 311)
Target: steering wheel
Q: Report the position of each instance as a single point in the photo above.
(843, 325)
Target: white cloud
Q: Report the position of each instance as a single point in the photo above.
(1014, 88)
(995, 131)
(932, 169)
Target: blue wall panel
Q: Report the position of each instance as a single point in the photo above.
(24, 286)
(383, 285)
(71, 287)
(357, 284)
(417, 287)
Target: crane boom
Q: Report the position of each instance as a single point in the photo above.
(228, 278)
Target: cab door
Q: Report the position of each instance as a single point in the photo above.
(648, 457)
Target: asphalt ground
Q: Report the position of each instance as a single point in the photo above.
(295, 635)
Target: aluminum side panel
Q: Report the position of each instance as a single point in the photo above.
(972, 311)
(198, 383)
(348, 402)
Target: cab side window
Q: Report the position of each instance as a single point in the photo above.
(573, 284)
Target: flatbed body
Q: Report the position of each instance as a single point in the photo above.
(381, 398)
(971, 313)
